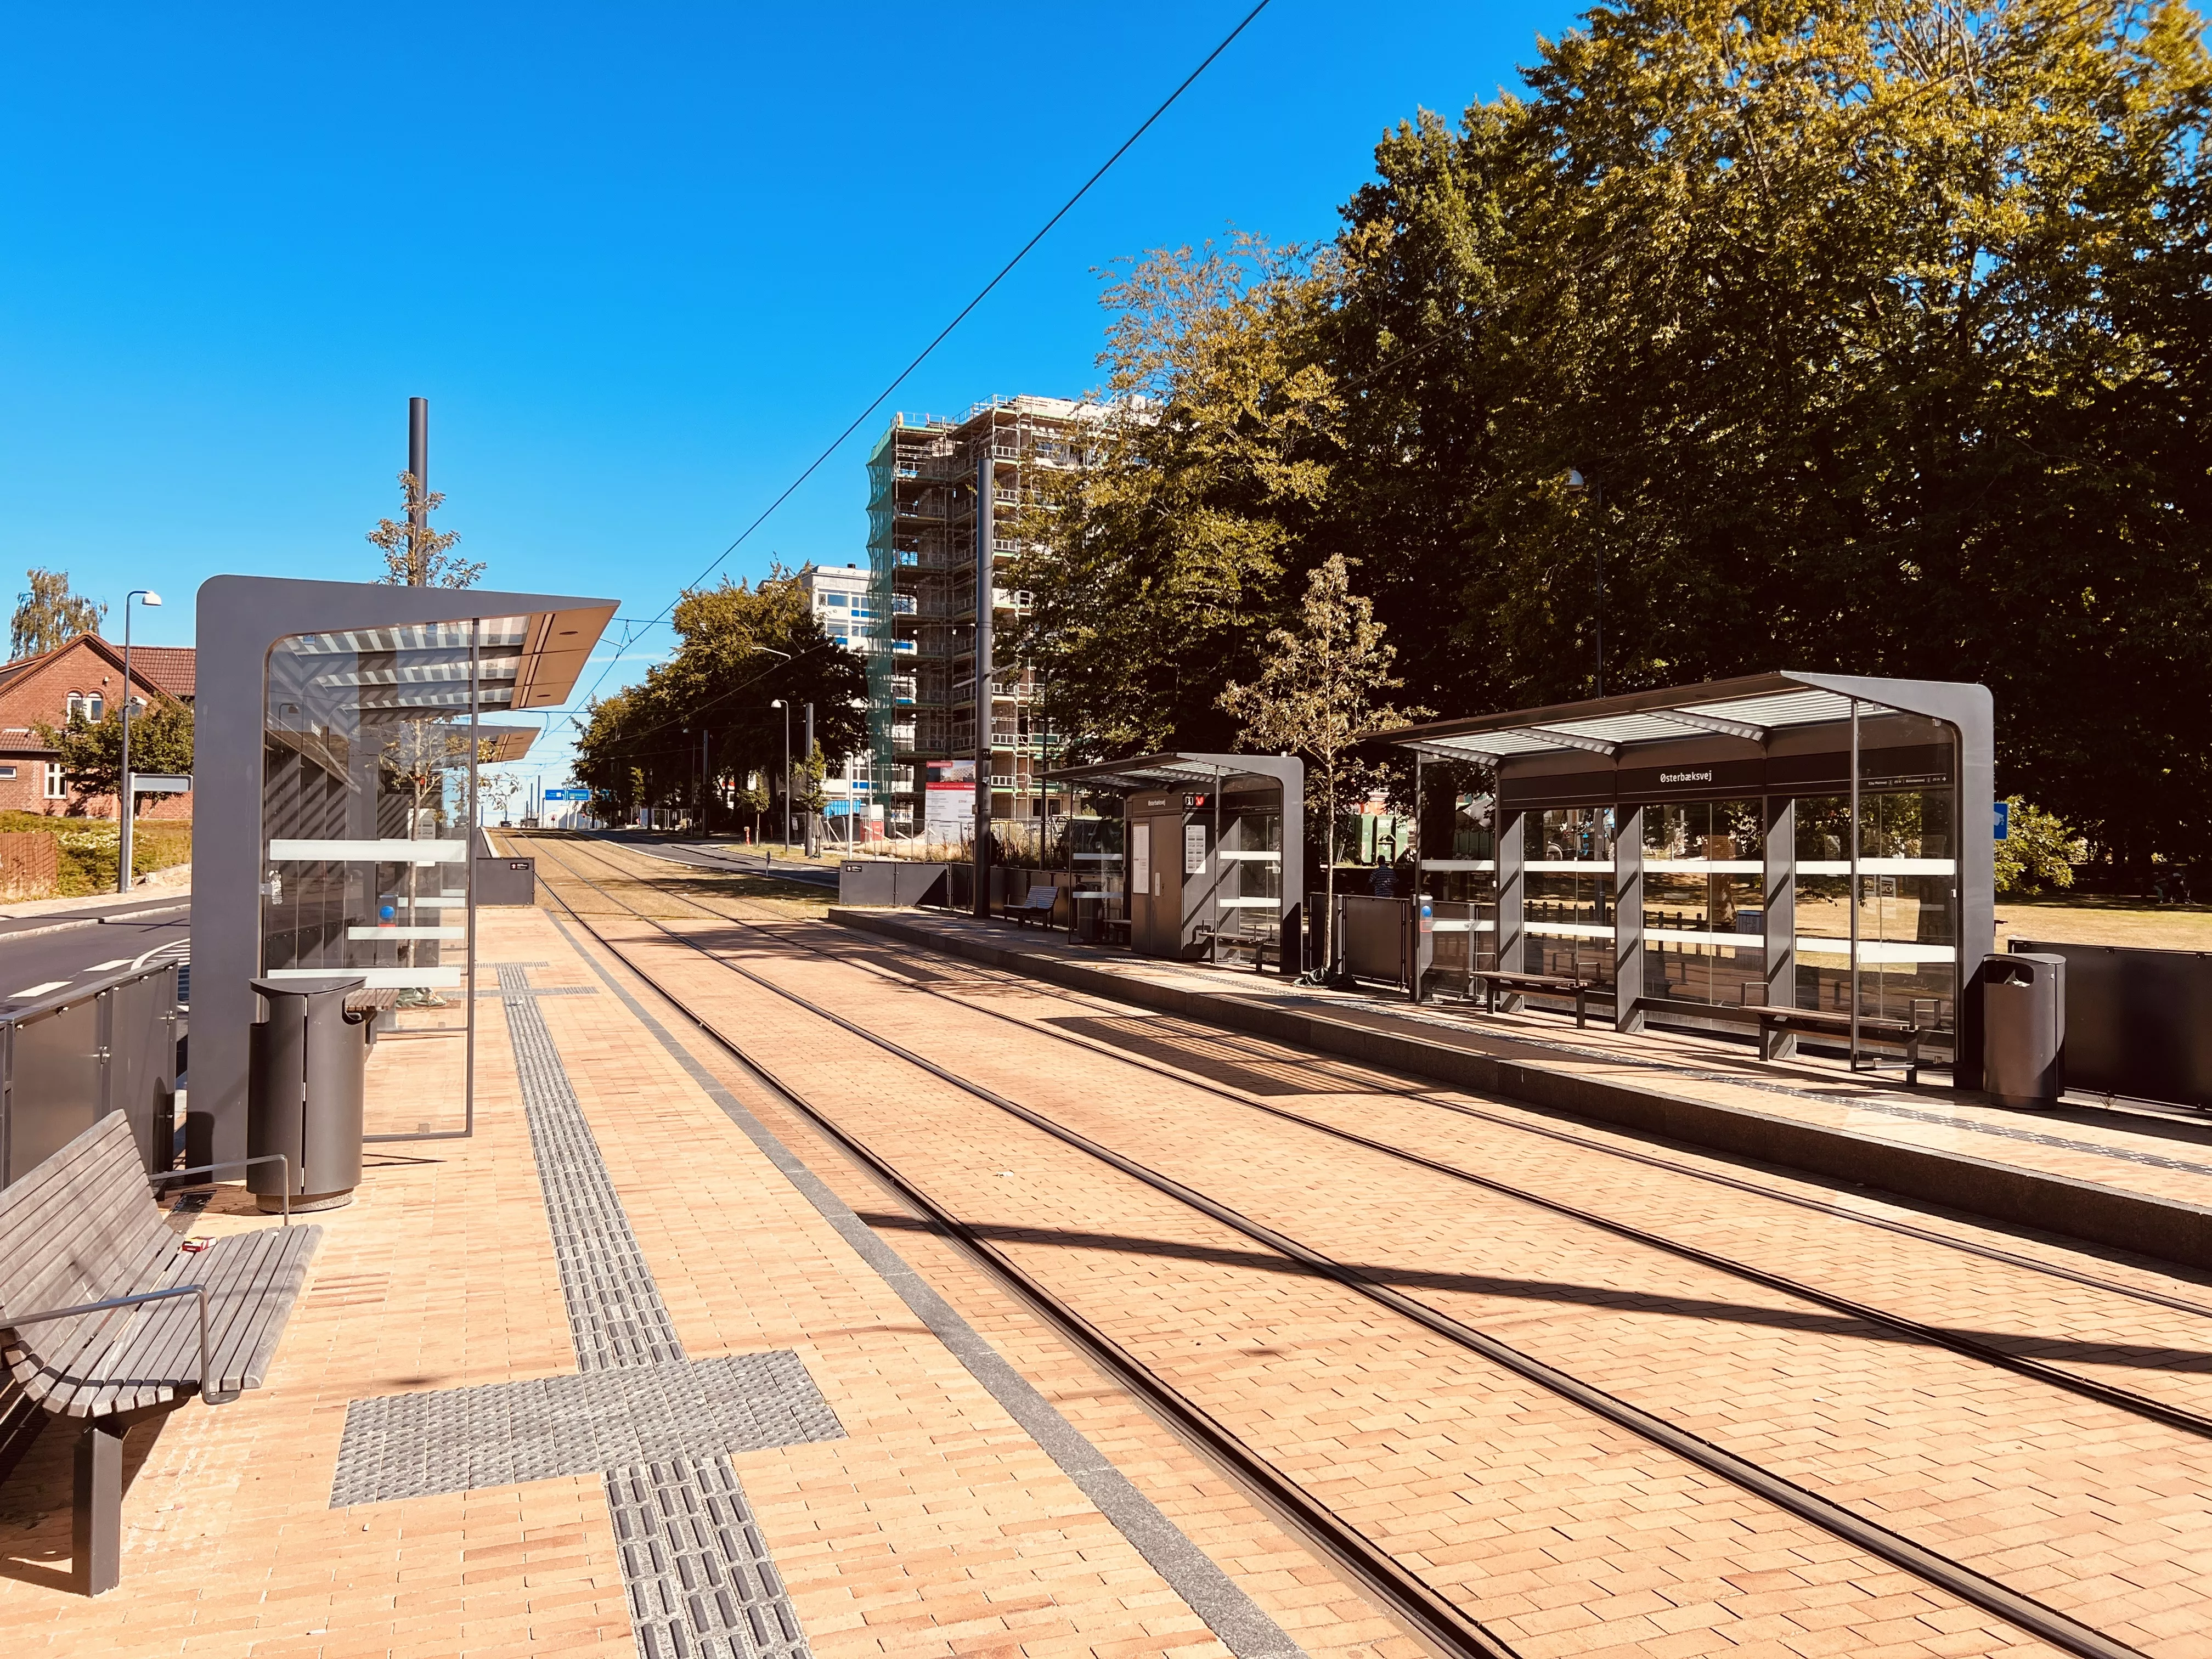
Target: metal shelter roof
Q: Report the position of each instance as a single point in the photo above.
(1751, 707)
(1167, 771)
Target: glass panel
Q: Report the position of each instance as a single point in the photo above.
(366, 777)
(1704, 917)
(1567, 875)
(1460, 882)
(1907, 909)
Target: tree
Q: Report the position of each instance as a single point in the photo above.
(1157, 562)
(91, 751)
(2039, 850)
(738, 647)
(1319, 697)
(499, 790)
(416, 556)
(1882, 326)
(50, 615)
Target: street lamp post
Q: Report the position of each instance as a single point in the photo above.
(812, 847)
(128, 800)
(779, 703)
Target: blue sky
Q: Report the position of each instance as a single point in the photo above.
(644, 261)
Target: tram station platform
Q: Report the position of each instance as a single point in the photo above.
(2135, 1181)
(622, 1361)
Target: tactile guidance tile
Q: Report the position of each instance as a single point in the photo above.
(700, 1578)
(616, 1315)
(413, 1445)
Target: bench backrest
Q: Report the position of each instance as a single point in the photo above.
(1040, 898)
(78, 1227)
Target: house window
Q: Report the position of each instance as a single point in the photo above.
(56, 789)
(7, 772)
(87, 703)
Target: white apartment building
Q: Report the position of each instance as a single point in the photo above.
(839, 596)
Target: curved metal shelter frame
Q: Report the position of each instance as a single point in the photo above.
(1782, 740)
(1196, 868)
(340, 728)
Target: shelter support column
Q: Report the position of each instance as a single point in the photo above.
(1780, 896)
(1511, 895)
(1628, 919)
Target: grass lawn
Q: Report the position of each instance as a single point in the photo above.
(2081, 919)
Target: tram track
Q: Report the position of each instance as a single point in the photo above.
(1421, 1604)
(1429, 1097)
(2130, 1400)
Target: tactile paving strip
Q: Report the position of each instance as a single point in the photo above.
(659, 1427)
(411, 1445)
(615, 1312)
(700, 1578)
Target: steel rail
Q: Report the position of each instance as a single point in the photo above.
(1412, 1598)
(1957, 1578)
(2115, 1396)
(1965, 1247)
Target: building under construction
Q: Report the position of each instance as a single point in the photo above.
(953, 718)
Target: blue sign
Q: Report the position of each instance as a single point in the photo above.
(567, 794)
(2004, 819)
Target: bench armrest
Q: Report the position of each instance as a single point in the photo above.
(17, 1321)
(239, 1163)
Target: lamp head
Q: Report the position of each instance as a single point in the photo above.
(777, 703)
(149, 599)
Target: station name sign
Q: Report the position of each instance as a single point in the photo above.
(1821, 773)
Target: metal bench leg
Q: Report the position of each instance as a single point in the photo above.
(96, 1526)
(1578, 1010)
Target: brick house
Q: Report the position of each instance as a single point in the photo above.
(86, 673)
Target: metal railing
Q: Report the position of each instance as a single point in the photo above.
(67, 1060)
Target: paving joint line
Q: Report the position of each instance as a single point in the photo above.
(1243, 1626)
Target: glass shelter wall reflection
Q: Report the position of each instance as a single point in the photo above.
(1704, 918)
(368, 774)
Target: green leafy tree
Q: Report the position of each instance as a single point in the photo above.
(91, 751)
(1883, 328)
(738, 647)
(1157, 561)
(414, 555)
(48, 615)
(2039, 852)
(1320, 695)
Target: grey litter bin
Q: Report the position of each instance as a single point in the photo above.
(2024, 1029)
(304, 1093)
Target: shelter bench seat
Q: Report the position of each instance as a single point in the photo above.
(1037, 907)
(1823, 1022)
(1262, 945)
(1494, 980)
(105, 1318)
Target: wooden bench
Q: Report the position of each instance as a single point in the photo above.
(1037, 907)
(1905, 1032)
(1552, 984)
(105, 1318)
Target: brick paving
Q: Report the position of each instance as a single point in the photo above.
(2139, 1154)
(1568, 1536)
(934, 1525)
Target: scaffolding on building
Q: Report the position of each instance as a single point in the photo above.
(945, 495)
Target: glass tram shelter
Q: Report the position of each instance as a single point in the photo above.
(1789, 841)
(1191, 849)
(341, 726)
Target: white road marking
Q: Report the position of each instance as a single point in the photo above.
(180, 948)
(102, 966)
(39, 990)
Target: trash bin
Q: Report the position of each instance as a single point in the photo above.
(2024, 1029)
(304, 1093)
